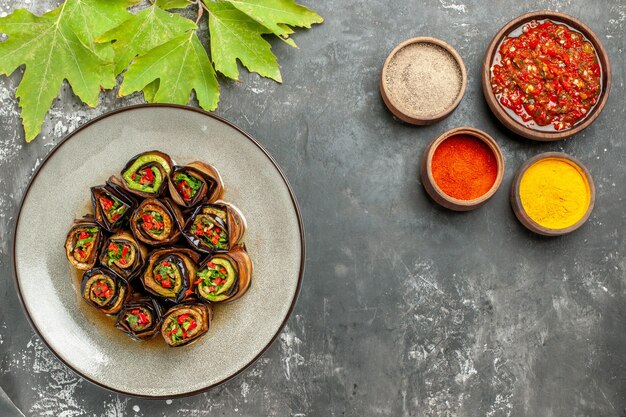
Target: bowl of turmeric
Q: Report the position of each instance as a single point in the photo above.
(553, 194)
(462, 168)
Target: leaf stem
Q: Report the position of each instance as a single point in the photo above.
(200, 10)
(204, 5)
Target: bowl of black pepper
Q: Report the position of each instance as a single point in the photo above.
(423, 80)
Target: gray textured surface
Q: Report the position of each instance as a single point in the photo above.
(406, 309)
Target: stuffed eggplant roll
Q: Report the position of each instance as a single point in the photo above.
(170, 273)
(146, 174)
(194, 183)
(186, 323)
(123, 254)
(140, 318)
(104, 290)
(83, 243)
(224, 277)
(155, 222)
(111, 206)
(215, 227)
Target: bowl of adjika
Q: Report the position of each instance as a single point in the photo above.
(546, 76)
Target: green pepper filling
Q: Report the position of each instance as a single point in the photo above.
(209, 233)
(112, 207)
(187, 185)
(138, 319)
(84, 243)
(119, 253)
(216, 279)
(152, 222)
(179, 326)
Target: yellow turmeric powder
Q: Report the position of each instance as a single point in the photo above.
(555, 193)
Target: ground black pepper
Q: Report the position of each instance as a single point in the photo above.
(423, 80)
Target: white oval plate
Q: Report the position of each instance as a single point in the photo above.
(83, 338)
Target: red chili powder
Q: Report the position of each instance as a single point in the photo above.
(464, 167)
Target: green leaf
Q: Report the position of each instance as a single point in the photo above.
(172, 4)
(287, 31)
(236, 36)
(88, 42)
(181, 65)
(147, 29)
(277, 14)
(56, 46)
(90, 18)
(150, 91)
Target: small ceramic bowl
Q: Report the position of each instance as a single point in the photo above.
(396, 108)
(516, 201)
(505, 116)
(433, 189)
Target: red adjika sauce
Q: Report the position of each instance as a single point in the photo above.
(549, 75)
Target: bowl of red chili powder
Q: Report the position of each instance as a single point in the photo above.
(546, 76)
(462, 168)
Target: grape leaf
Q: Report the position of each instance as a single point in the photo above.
(89, 42)
(181, 65)
(56, 46)
(234, 35)
(278, 15)
(147, 29)
(150, 91)
(89, 18)
(172, 4)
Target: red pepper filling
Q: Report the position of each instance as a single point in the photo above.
(209, 233)
(144, 176)
(137, 319)
(165, 274)
(112, 207)
(118, 252)
(187, 185)
(84, 243)
(549, 75)
(178, 328)
(101, 290)
(152, 222)
(212, 278)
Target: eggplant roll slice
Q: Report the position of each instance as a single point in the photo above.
(83, 243)
(111, 206)
(155, 222)
(224, 277)
(186, 323)
(140, 318)
(104, 290)
(170, 273)
(215, 227)
(194, 183)
(123, 254)
(146, 174)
